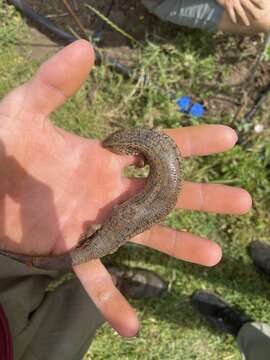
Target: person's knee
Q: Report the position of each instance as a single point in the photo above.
(263, 21)
(260, 22)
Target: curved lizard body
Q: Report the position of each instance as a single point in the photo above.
(135, 215)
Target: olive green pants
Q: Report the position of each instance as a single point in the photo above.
(46, 325)
(60, 324)
(254, 341)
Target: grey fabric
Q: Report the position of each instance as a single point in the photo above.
(254, 341)
(202, 14)
(57, 324)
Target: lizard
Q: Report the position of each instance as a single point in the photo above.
(133, 216)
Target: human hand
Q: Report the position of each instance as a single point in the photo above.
(243, 9)
(52, 183)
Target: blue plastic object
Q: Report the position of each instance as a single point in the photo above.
(184, 103)
(197, 110)
(186, 106)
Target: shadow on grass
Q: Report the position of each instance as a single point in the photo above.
(234, 274)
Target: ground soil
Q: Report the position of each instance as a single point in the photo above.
(133, 18)
(129, 15)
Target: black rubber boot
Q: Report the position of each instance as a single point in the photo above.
(260, 254)
(137, 283)
(218, 313)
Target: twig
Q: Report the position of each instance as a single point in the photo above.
(225, 99)
(23, 43)
(263, 93)
(259, 58)
(100, 29)
(112, 24)
(75, 17)
(50, 16)
(75, 5)
(257, 103)
(73, 32)
(242, 107)
(66, 37)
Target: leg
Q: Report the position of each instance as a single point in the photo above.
(260, 254)
(59, 324)
(207, 15)
(218, 313)
(201, 14)
(42, 322)
(63, 326)
(253, 338)
(254, 341)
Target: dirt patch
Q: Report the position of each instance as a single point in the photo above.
(129, 15)
(132, 17)
(42, 47)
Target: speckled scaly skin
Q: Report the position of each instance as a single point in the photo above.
(135, 215)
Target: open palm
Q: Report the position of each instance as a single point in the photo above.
(53, 184)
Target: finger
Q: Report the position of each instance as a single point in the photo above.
(251, 8)
(203, 139)
(242, 14)
(98, 284)
(60, 77)
(258, 3)
(214, 198)
(181, 245)
(195, 140)
(232, 14)
(56, 80)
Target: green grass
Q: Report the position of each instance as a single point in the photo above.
(191, 62)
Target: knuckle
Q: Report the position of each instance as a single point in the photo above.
(103, 296)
